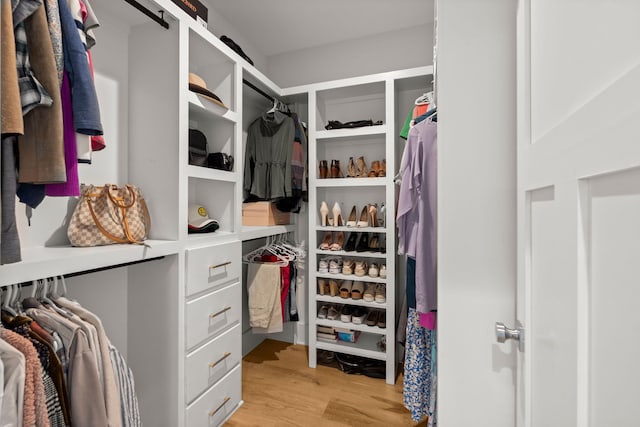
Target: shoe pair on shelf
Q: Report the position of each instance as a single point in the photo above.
(368, 216)
(359, 169)
(331, 265)
(333, 172)
(329, 287)
(361, 242)
(332, 240)
(356, 315)
(375, 292)
(336, 221)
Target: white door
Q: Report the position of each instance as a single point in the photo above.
(579, 213)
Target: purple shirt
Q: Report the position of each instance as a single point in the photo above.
(416, 218)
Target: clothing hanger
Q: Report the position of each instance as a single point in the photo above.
(250, 257)
(7, 296)
(425, 98)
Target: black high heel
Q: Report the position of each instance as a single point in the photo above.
(363, 244)
(351, 242)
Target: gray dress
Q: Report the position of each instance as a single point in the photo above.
(267, 164)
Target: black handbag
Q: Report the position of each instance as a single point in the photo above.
(221, 161)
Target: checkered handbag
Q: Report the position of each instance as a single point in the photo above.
(107, 215)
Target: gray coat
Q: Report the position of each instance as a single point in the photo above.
(267, 163)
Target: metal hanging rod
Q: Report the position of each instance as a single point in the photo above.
(159, 19)
(110, 267)
(257, 89)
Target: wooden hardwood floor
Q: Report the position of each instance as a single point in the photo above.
(279, 389)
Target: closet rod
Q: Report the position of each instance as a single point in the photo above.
(126, 264)
(159, 19)
(257, 89)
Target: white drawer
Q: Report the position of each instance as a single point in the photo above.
(206, 365)
(213, 266)
(210, 313)
(213, 407)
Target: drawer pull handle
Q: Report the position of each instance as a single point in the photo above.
(213, 267)
(213, 364)
(224, 402)
(220, 312)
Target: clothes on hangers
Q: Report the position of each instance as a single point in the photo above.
(268, 154)
(263, 289)
(90, 385)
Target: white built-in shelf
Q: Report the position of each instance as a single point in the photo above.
(217, 236)
(256, 232)
(212, 174)
(353, 229)
(354, 254)
(341, 276)
(349, 301)
(351, 325)
(350, 133)
(351, 182)
(203, 105)
(41, 262)
(366, 346)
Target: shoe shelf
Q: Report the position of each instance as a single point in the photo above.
(351, 182)
(353, 277)
(354, 254)
(352, 326)
(354, 229)
(349, 301)
(351, 133)
(211, 174)
(366, 346)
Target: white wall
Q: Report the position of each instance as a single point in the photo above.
(390, 51)
(219, 26)
(476, 211)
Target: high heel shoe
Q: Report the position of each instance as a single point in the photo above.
(375, 168)
(351, 222)
(326, 241)
(373, 215)
(383, 213)
(364, 217)
(351, 168)
(323, 286)
(362, 167)
(374, 244)
(324, 214)
(338, 242)
(363, 244)
(335, 169)
(337, 216)
(383, 169)
(351, 242)
(323, 169)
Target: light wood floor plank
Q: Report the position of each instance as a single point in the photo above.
(279, 389)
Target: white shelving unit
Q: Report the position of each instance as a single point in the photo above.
(375, 97)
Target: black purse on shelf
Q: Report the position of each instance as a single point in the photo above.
(221, 161)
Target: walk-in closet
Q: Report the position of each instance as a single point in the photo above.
(317, 213)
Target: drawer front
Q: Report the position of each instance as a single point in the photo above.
(213, 266)
(210, 313)
(213, 407)
(208, 364)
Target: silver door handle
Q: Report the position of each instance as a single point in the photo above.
(503, 333)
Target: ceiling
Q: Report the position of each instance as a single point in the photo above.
(278, 26)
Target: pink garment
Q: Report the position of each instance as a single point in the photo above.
(72, 186)
(428, 320)
(35, 406)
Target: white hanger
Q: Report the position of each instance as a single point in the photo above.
(6, 299)
(249, 258)
(425, 98)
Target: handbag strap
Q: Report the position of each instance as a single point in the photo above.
(117, 202)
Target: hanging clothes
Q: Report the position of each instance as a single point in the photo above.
(263, 289)
(416, 217)
(267, 167)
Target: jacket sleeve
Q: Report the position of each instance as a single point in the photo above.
(249, 159)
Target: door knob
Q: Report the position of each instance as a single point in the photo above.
(503, 333)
